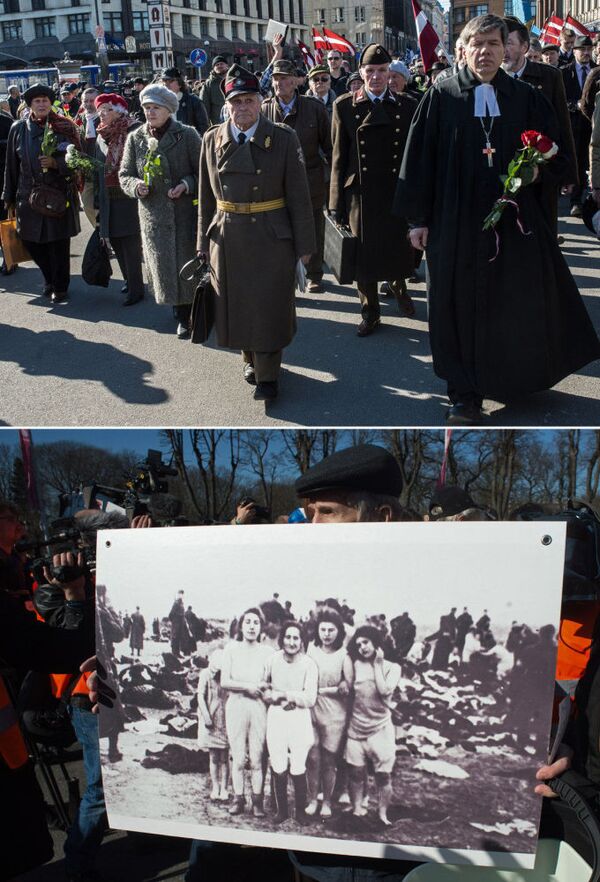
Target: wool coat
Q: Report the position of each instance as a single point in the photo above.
(310, 120)
(253, 256)
(168, 226)
(118, 212)
(501, 323)
(23, 170)
(368, 143)
(212, 97)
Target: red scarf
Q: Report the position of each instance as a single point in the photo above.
(64, 129)
(115, 135)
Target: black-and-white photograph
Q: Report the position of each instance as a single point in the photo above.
(375, 689)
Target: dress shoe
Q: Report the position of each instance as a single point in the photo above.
(560, 239)
(386, 290)
(314, 287)
(125, 289)
(5, 271)
(47, 291)
(266, 391)
(59, 296)
(366, 327)
(576, 211)
(130, 299)
(464, 414)
(183, 331)
(249, 374)
(404, 300)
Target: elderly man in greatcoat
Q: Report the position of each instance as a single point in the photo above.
(310, 121)
(370, 128)
(255, 223)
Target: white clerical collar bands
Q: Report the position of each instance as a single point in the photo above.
(486, 102)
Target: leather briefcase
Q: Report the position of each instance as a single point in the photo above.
(340, 251)
(202, 317)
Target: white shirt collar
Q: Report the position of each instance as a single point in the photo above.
(248, 133)
(486, 102)
(372, 97)
(519, 72)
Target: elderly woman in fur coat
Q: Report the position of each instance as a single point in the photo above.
(160, 169)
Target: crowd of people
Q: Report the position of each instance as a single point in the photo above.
(240, 167)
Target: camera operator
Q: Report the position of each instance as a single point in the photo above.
(12, 570)
(248, 511)
(66, 605)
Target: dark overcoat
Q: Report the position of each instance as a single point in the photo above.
(550, 82)
(118, 211)
(310, 120)
(582, 127)
(23, 170)
(368, 143)
(503, 326)
(253, 256)
(191, 112)
(213, 98)
(168, 226)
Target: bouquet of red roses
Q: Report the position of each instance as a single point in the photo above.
(537, 149)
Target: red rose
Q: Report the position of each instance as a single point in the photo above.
(530, 138)
(544, 144)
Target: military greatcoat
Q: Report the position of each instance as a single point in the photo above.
(253, 256)
(368, 144)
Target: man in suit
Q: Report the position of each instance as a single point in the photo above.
(369, 130)
(549, 82)
(567, 39)
(574, 77)
(310, 121)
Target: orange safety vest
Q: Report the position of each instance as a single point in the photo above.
(578, 620)
(13, 749)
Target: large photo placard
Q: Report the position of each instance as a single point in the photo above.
(382, 690)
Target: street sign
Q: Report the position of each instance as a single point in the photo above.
(130, 45)
(158, 38)
(161, 59)
(198, 57)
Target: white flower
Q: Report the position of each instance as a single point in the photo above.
(552, 152)
(152, 144)
(70, 149)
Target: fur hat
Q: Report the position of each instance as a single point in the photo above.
(157, 94)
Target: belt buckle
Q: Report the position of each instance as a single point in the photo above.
(247, 207)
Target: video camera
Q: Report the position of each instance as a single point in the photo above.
(64, 535)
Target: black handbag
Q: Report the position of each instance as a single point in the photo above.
(48, 200)
(340, 251)
(96, 268)
(202, 316)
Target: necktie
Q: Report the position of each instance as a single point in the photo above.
(376, 100)
(241, 138)
(516, 76)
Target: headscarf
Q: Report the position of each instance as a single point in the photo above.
(115, 135)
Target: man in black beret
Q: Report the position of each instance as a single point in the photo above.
(454, 504)
(191, 110)
(550, 53)
(574, 75)
(550, 83)
(211, 93)
(369, 131)
(360, 483)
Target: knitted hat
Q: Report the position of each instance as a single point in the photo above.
(157, 94)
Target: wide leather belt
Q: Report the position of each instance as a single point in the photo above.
(250, 207)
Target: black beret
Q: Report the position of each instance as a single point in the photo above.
(374, 53)
(548, 47)
(37, 90)
(355, 78)
(583, 43)
(219, 59)
(364, 468)
(448, 501)
(171, 73)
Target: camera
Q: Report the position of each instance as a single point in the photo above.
(64, 535)
(262, 513)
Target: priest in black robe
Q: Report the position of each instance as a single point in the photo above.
(505, 315)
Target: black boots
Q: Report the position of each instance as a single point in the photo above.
(280, 783)
(300, 799)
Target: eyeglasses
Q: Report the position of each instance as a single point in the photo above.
(321, 79)
(334, 58)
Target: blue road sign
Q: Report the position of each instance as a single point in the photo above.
(198, 57)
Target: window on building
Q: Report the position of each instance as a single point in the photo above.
(12, 31)
(291, 8)
(281, 12)
(481, 9)
(300, 11)
(220, 28)
(234, 30)
(259, 9)
(45, 27)
(79, 24)
(459, 14)
(75, 2)
(270, 5)
(219, 6)
(261, 33)
(113, 22)
(11, 6)
(186, 24)
(359, 13)
(140, 22)
(338, 14)
(38, 5)
(321, 16)
(203, 26)
(186, 4)
(248, 30)
(247, 8)
(233, 7)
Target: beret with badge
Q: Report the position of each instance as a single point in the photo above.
(374, 53)
(364, 468)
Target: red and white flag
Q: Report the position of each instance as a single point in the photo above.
(320, 44)
(428, 39)
(307, 56)
(551, 30)
(336, 41)
(576, 26)
(27, 457)
(447, 439)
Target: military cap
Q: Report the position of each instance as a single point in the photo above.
(374, 53)
(365, 468)
(448, 501)
(171, 73)
(37, 90)
(317, 70)
(438, 66)
(219, 59)
(284, 68)
(238, 81)
(550, 47)
(583, 43)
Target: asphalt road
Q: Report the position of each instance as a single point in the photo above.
(92, 362)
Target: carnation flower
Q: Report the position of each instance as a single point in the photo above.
(152, 144)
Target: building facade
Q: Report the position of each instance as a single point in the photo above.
(41, 31)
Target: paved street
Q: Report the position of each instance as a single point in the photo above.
(93, 362)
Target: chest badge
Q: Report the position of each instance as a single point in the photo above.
(267, 142)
